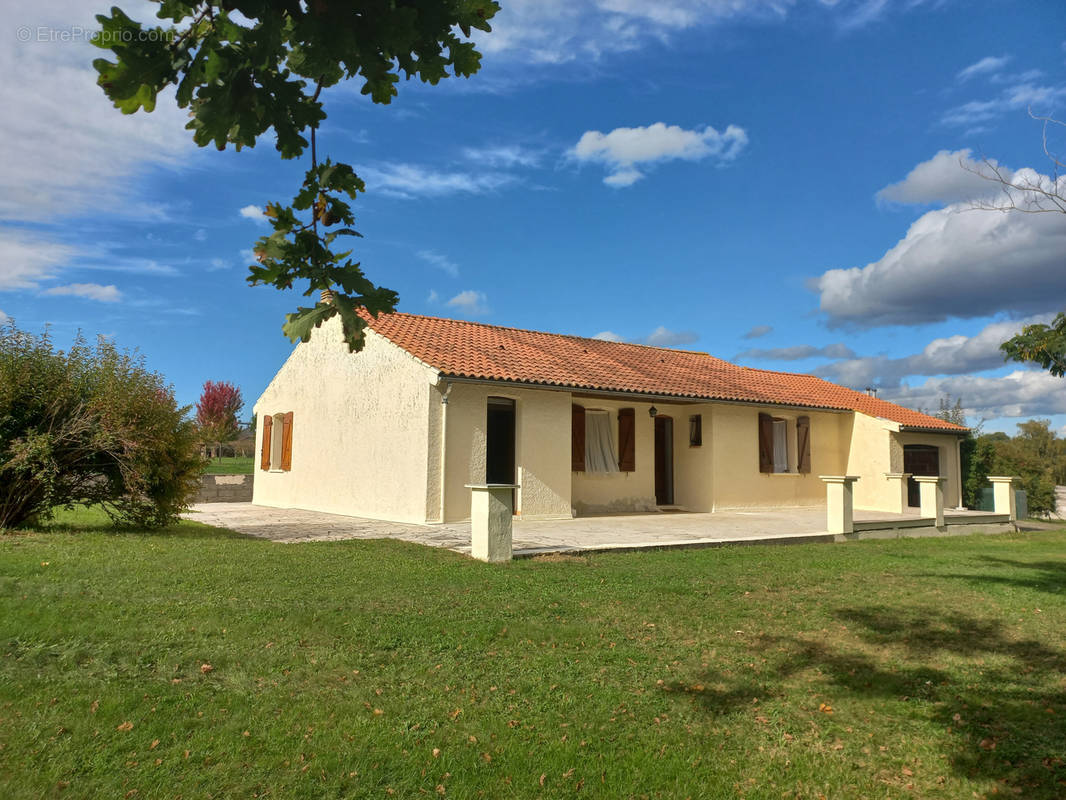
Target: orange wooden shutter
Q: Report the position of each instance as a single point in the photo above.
(286, 441)
(766, 443)
(627, 440)
(268, 433)
(577, 438)
(803, 443)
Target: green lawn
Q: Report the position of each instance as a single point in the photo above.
(237, 465)
(920, 668)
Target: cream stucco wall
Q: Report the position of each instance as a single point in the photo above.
(597, 493)
(949, 459)
(877, 449)
(738, 483)
(542, 448)
(362, 439)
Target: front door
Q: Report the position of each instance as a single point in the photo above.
(500, 442)
(919, 459)
(664, 461)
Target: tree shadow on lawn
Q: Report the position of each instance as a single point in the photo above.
(1044, 576)
(1000, 700)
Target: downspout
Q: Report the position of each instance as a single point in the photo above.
(958, 466)
(443, 446)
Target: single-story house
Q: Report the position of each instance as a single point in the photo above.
(430, 406)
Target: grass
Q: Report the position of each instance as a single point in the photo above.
(197, 663)
(230, 465)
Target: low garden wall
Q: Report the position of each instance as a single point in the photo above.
(224, 489)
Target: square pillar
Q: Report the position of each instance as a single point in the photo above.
(900, 492)
(1003, 500)
(490, 521)
(840, 505)
(932, 494)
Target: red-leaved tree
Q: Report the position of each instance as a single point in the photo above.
(216, 412)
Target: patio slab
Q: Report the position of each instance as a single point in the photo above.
(536, 537)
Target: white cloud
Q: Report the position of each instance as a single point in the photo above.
(1017, 97)
(956, 262)
(660, 337)
(200, 235)
(26, 259)
(433, 298)
(439, 261)
(985, 66)
(254, 213)
(555, 32)
(216, 264)
(3, 317)
(66, 149)
(411, 180)
(951, 355)
(1021, 394)
(799, 352)
(505, 156)
(91, 291)
(948, 177)
(664, 337)
(758, 331)
(470, 302)
(622, 149)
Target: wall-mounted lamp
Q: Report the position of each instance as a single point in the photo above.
(653, 411)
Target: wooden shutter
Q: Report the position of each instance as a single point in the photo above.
(286, 441)
(268, 434)
(766, 443)
(577, 438)
(627, 440)
(803, 443)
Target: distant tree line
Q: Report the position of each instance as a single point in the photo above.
(1036, 454)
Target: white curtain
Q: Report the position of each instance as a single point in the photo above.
(780, 445)
(599, 445)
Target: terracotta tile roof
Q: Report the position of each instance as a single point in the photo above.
(472, 350)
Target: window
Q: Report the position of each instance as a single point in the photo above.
(276, 453)
(599, 444)
(695, 430)
(592, 445)
(784, 444)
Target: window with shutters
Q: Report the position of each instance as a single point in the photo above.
(276, 454)
(592, 445)
(784, 444)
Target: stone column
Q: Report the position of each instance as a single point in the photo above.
(839, 491)
(932, 489)
(900, 478)
(1003, 501)
(490, 521)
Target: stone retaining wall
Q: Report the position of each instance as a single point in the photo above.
(225, 489)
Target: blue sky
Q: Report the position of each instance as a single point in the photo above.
(777, 183)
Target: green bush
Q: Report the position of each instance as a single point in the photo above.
(90, 425)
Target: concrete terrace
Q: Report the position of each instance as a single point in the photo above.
(593, 534)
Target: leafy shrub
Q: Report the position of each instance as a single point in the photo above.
(91, 425)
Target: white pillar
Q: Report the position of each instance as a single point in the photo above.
(839, 502)
(1003, 496)
(490, 521)
(901, 491)
(932, 494)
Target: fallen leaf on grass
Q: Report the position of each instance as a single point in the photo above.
(125, 726)
(154, 744)
(95, 705)
(543, 777)
(436, 752)
(205, 668)
(825, 708)
(988, 744)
